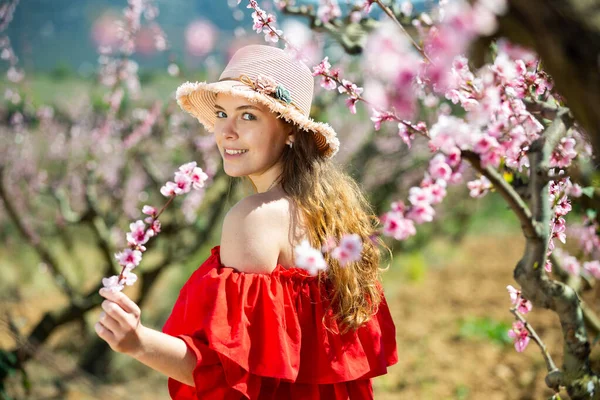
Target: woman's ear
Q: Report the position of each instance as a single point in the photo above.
(290, 139)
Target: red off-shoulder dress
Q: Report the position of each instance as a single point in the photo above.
(261, 336)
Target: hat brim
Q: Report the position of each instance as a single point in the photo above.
(198, 99)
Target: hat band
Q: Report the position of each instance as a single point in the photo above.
(268, 87)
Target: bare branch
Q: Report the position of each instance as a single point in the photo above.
(554, 377)
(34, 241)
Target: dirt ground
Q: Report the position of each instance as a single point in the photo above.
(436, 361)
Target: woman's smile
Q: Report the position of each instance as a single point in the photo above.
(232, 154)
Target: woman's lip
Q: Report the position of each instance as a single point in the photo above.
(228, 156)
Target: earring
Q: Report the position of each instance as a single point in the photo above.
(291, 144)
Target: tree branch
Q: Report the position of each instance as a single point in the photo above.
(34, 241)
(514, 200)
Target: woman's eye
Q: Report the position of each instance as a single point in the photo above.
(220, 114)
(248, 117)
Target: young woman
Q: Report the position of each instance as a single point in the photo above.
(249, 324)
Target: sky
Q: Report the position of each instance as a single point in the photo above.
(50, 33)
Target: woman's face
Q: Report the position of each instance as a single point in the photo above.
(250, 139)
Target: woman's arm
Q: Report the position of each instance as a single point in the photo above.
(121, 328)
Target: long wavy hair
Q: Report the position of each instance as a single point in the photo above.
(332, 204)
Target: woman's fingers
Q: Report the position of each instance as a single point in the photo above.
(119, 322)
(109, 323)
(104, 333)
(121, 299)
(115, 311)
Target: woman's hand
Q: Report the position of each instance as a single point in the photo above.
(119, 323)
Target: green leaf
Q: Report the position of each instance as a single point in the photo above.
(591, 214)
(588, 191)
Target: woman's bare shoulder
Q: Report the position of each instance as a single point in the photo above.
(252, 233)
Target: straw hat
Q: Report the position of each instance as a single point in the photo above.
(267, 75)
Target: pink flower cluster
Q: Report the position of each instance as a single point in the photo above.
(400, 221)
(520, 335)
(349, 250)
(461, 23)
(328, 10)
(587, 237)
(560, 204)
(519, 332)
(330, 80)
(329, 76)
(264, 22)
(523, 305)
(187, 177)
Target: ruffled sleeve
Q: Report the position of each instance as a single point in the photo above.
(250, 330)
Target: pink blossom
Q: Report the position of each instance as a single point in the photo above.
(200, 38)
(198, 178)
(350, 88)
(564, 153)
(456, 177)
(417, 195)
(349, 250)
(592, 268)
(351, 104)
(571, 265)
(421, 212)
(328, 10)
(575, 190)
(329, 245)
(485, 144)
(183, 182)
(398, 206)
(397, 226)
(149, 210)
(367, 5)
(515, 294)
(439, 169)
(379, 117)
(322, 68)
(112, 284)
(261, 20)
(479, 187)
(559, 229)
(563, 207)
(450, 132)
(438, 191)
(520, 335)
(328, 83)
(129, 278)
(454, 157)
(272, 35)
(309, 258)
(138, 235)
(155, 226)
(587, 237)
(548, 264)
(404, 135)
(129, 258)
(491, 158)
(523, 305)
(187, 168)
(168, 189)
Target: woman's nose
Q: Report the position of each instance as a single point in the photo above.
(229, 130)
